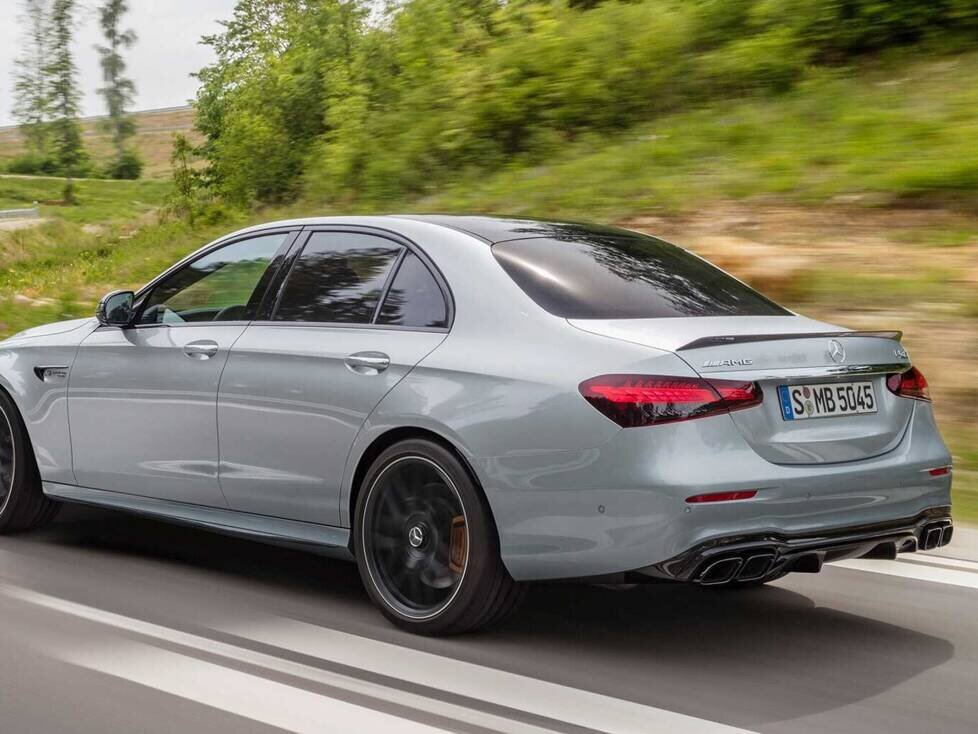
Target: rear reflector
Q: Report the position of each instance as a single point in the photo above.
(721, 496)
(909, 384)
(939, 471)
(645, 400)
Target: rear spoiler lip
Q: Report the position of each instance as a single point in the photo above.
(716, 341)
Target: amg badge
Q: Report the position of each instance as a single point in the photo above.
(728, 362)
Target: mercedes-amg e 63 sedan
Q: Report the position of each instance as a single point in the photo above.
(467, 404)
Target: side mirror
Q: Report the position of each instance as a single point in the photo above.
(115, 309)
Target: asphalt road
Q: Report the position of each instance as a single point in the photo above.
(114, 624)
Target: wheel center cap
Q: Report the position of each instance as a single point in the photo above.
(416, 536)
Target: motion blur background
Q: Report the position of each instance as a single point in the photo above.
(826, 151)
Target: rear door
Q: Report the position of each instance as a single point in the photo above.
(354, 314)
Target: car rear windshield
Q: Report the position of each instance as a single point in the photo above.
(625, 277)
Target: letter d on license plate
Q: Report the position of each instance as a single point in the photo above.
(800, 402)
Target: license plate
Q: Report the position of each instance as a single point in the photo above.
(800, 402)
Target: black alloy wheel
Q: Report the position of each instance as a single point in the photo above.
(23, 505)
(426, 545)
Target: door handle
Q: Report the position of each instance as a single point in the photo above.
(201, 350)
(368, 363)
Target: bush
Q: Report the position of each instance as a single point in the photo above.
(33, 164)
(772, 61)
(835, 30)
(129, 166)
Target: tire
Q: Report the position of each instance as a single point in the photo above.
(23, 505)
(426, 544)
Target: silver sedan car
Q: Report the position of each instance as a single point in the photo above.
(467, 404)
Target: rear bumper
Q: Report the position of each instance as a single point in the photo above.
(616, 508)
(755, 557)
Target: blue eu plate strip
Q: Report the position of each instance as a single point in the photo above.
(786, 411)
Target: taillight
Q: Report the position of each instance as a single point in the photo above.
(645, 400)
(909, 384)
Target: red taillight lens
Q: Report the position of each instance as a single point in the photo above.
(909, 384)
(744, 494)
(645, 400)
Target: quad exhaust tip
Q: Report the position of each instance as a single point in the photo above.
(736, 568)
(759, 563)
(935, 535)
(721, 572)
(756, 567)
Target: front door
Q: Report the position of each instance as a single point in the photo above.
(142, 400)
(355, 314)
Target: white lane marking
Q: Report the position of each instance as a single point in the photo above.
(939, 561)
(551, 700)
(528, 695)
(270, 662)
(243, 694)
(917, 571)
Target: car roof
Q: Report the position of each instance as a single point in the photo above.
(499, 229)
(489, 229)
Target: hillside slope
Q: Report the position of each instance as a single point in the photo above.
(887, 134)
(154, 133)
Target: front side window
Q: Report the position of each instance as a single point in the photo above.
(338, 278)
(594, 276)
(414, 298)
(223, 285)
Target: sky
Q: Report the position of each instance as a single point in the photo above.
(160, 63)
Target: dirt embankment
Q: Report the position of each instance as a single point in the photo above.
(914, 270)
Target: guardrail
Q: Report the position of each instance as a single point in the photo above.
(33, 213)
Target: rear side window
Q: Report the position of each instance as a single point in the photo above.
(338, 278)
(414, 298)
(622, 277)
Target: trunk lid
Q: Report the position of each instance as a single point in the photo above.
(777, 351)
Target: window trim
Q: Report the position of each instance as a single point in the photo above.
(274, 266)
(398, 239)
(395, 268)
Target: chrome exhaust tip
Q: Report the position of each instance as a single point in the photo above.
(756, 567)
(720, 572)
(932, 538)
(935, 535)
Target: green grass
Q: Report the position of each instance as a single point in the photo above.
(60, 269)
(888, 135)
(964, 449)
(825, 287)
(99, 201)
(948, 237)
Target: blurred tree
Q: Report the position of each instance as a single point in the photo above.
(60, 72)
(308, 95)
(187, 182)
(264, 100)
(119, 91)
(32, 102)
